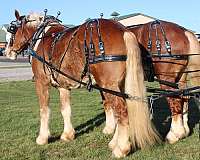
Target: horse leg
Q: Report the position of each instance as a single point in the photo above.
(42, 90)
(120, 144)
(185, 118)
(183, 84)
(193, 63)
(177, 130)
(110, 119)
(69, 132)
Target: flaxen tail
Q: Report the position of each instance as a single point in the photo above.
(142, 131)
(194, 59)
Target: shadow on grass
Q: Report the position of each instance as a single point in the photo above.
(162, 115)
(194, 114)
(84, 128)
(90, 124)
(161, 119)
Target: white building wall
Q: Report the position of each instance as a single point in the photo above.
(8, 35)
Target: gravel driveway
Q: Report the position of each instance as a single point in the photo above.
(15, 70)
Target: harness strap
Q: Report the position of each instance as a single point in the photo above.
(170, 56)
(108, 58)
(90, 50)
(37, 34)
(167, 83)
(158, 43)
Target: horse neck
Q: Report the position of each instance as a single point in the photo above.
(29, 31)
(42, 34)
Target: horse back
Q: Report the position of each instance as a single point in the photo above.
(174, 33)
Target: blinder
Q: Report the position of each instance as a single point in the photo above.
(14, 25)
(12, 29)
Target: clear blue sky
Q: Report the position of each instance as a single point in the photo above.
(183, 12)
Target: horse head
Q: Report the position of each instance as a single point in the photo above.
(21, 30)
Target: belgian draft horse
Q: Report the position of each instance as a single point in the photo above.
(169, 68)
(134, 127)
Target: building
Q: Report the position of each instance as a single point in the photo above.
(139, 18)
(134, 19)
(3, 32)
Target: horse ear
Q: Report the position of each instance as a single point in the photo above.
(41, 18)
(17, 14)
(28, 17)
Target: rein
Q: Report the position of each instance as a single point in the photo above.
(92, 58)
(162, 93)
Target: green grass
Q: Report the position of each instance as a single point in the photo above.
(19, 124)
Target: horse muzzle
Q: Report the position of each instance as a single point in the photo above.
(11, 54)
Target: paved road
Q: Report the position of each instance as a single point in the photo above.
(15, 70)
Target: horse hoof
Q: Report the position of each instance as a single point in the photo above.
(112, 144)
(68, 136)
(119, 153)
(171, 138)
(108, 130)
(41, 141)
(187, 131)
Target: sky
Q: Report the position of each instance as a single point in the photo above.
(183, 12)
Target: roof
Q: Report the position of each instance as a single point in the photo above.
(69, 25)
(6, 25)
(133, 15)
(2, 36)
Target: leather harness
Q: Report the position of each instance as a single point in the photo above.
(90, 51)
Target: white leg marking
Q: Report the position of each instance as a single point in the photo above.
(110, 122)
(185, 119)
(44, 127)
(177, 130)
(123, 146)
(68, 133)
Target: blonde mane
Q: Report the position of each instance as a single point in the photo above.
(35, 19)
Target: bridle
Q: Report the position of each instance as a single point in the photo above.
(15, 25)
(13, 28)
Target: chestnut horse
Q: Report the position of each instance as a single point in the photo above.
(170, 51)
(132, 116)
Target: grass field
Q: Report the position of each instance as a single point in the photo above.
(19, 124)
